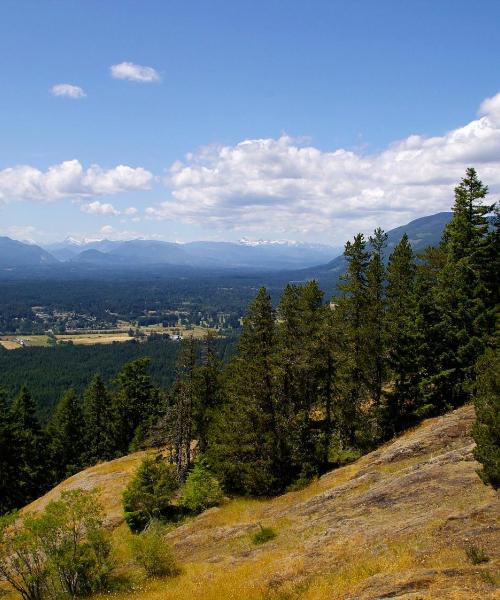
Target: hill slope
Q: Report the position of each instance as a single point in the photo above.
(19, 254)
(395, 524)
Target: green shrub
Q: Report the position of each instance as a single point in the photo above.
(201, 490)
(476, 555)
(265, 534)
(151, 551)
(149, 493)
(64, 552)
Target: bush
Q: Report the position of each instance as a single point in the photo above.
(63, 552)
(152, 552)
(265, 534)
(201, 490)
(476, 555)
(149, 493)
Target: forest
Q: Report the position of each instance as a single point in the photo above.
(313, 383)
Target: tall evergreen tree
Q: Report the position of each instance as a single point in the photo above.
(486, 431)
(185, 395)
(66, 431)
(100, 426)
(210, 390)
(8, 458)
(402, 400)
(461, 293)
(135, 401)
(31, 447)
(300, 369)
(247, 449)
(352, 344)
(375, 319)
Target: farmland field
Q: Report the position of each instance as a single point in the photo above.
(88, 338)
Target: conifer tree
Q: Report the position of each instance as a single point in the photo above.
(461, 293)
(246, 452)
(486, 430)
(300, 375)
(31, 448)
(100, 426)
(8, 458)
(403, 399)
(185, 394)
(352, 343)
(135, 401)
(375, 319)
(66, 431)
(210, 390)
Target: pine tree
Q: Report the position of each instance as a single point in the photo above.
(375, 320)
(31, 448)
(210, 394)
(185, 395)
(8, 458)
(100, 426)
(66, 431)
(486, 431)
(301, 403)
(403, 400)
(135, 401)
(246, 451)
(461, 294)
(351, 324)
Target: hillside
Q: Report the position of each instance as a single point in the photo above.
(395, 524)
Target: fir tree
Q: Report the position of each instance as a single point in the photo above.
(100, 426)
(8, 458)
(403, 399)
(135, 401)
(352, 343)
(486, 431)
(210, 390)
(66, 431)
(246, 452)
(31, 449)
(461, 293)
(375, 319)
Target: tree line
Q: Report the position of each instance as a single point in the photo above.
(313, 384)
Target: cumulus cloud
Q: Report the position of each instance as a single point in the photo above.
(281, 185)
(133, 72)
(67, 90)
(131, 211)
(99, 208)
(69, 180)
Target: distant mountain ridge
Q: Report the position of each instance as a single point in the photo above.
(260, 254)
(15, 254)
(300, 260)
(422, 232)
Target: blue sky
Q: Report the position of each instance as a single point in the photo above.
(297, 120)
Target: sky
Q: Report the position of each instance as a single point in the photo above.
(265, 119)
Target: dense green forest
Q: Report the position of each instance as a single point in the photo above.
(49, 372)
(313, 384)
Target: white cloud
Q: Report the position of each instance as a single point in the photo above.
(99, 208)
(25, 233)
(281, 186)
(69, 180)
(133, 72)
(67, 90)
(131, 211)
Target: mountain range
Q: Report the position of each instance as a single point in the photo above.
(305, 260)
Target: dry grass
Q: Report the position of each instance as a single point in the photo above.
(396, 522)
(94, 338)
